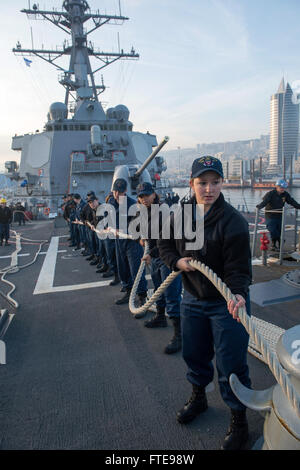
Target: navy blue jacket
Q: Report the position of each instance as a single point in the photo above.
(273, 200)
(226, 251)
(5, 215)
(115, 204)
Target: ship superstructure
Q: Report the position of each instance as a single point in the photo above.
(81, 144)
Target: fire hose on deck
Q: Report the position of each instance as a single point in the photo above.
(14, 267)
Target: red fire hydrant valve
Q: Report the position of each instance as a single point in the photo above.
(264, 240)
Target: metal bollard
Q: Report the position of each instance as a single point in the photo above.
(282, 425)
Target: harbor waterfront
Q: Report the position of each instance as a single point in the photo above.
(247, 197)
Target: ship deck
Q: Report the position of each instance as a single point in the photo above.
(83, 373)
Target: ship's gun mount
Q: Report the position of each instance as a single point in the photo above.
(134, 174)
(150, 158)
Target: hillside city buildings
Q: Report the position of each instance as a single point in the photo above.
(272, 154)
(284, 127)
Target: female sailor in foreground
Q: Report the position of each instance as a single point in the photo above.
(209, 325)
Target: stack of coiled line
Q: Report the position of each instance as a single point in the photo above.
(14, 267)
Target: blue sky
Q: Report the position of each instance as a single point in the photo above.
(206, 71)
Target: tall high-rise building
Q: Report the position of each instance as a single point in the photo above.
(284, 132)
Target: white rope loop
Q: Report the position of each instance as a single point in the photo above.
(14, 267)
(134, 310)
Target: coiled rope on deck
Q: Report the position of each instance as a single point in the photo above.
(14, 267)
(269, 356)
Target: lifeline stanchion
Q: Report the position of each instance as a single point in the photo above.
(254, 233)
(296, 230)
(282, 234)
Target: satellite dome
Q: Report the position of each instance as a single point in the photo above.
(58, 111)
(121, 112)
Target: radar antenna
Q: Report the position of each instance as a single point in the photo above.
(79, 78)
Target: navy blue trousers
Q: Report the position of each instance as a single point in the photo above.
(91, 238)
(209, 330)
(75, 236)
(4, 231)
(100, 250)
(274, 227)
(110, 248)
(129, 254)
(82, 234)
(171, 298)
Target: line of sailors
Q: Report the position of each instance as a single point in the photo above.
(210, 326)
(120, 258)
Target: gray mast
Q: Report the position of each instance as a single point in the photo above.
(86, 151)
(79, 79)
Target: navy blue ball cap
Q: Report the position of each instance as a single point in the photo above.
(92, 198)
(120, 185)
(144, 189)
(76, 196)
(206, 163)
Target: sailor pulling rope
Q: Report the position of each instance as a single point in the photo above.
(269, 356)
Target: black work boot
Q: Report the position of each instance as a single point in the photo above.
(102, 269)
(124, 299)
(108, 273)
(142, 298)
(115, 281)
(95, 261)
(89, 258)
(237, 434)
(175, 343)
(158, 320)
(196, 405)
